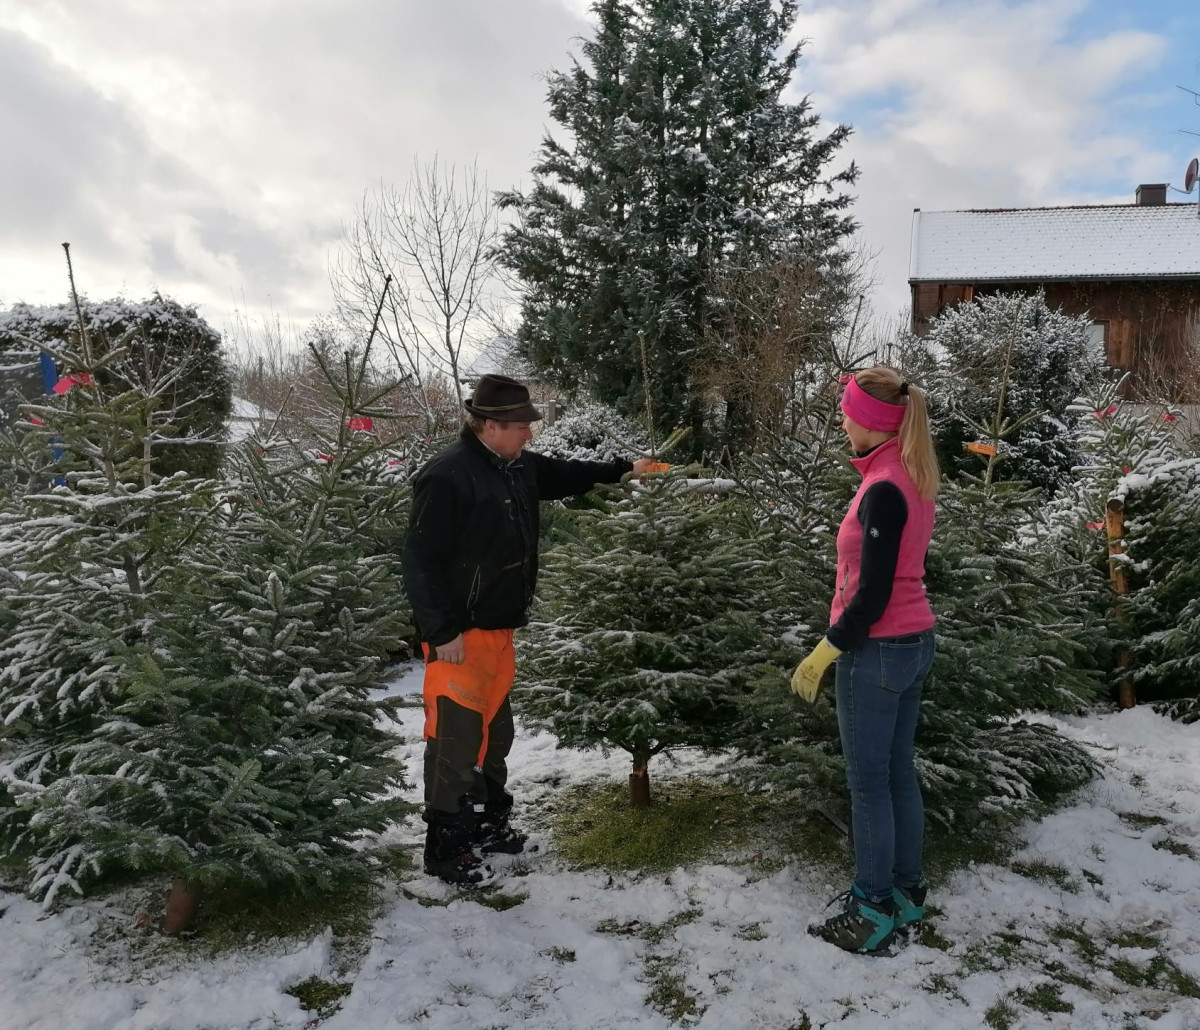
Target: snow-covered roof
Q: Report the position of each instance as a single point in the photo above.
(1125, 241)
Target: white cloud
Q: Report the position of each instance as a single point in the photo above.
(970, 104)
(248, 132)
(212, 150)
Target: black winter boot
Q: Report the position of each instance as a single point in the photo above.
(494, 834)
(449, 851)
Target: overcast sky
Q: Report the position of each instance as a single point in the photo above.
(213, 150)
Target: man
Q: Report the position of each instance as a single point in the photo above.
(470, 568)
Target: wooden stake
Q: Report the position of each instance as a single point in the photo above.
(1114, 525)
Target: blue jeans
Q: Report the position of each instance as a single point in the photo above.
(878, 701)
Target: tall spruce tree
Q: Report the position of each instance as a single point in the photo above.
(683, 160)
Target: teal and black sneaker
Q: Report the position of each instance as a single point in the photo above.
(863, 926)
(910, 911)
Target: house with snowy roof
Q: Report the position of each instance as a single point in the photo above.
(1133, 268)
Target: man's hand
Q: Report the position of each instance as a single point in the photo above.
(806, 680)
(453, 651)
(644, 466)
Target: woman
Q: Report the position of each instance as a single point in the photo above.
(881, 637)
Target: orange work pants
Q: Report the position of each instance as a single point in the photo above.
(468, 721)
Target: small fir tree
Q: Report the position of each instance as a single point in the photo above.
(1005, 370)
(1162, 541)
(654, 621)
(186, 686)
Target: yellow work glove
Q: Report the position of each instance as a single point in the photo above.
(806, 680)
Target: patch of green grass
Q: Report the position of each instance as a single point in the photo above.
(229, 920)
(1175, 847)
(1141, 821)
(1160, 973)
(939, 983)
(320, 996)
(668, 993)
(631, 929)
(1136, 939)
(1063, 975)
(1000, 1016)
(1048, 873)
(932, 939)
(1077, 935)
(948, 850)
(560, 955)
(688, 822)
(1045, 997)
(751, 932)
(493, 898)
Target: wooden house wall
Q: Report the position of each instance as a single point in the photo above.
(1151, 327)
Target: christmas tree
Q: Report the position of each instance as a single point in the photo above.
(653, 622)
(186, 676)
(1004, 372)
(1161, 543)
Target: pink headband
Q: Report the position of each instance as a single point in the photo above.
(870, 412)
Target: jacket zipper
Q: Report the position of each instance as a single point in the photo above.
(473, 594)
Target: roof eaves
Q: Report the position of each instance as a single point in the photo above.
(968, 280)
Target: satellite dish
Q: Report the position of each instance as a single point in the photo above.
(1191, 175)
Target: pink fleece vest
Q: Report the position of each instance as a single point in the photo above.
(908, 608)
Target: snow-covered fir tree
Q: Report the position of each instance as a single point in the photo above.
(1004, 372)
(588, 430)
(1162, 541)
(683, 158)
(186, 683)
(167, 350)
(655, 617)
(91, 539)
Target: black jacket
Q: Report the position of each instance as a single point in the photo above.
(471, 554)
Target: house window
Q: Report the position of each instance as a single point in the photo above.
(1098, 339)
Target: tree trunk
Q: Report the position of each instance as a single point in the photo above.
(181, 906)
(639, 782)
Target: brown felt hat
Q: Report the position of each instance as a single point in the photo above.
(502, 399)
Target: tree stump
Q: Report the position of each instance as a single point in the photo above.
(639, 786)
(182, 903)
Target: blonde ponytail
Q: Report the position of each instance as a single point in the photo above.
(916, 438)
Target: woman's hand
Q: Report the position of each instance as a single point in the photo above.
(806, 680)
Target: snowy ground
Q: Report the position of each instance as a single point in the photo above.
(1095, 923)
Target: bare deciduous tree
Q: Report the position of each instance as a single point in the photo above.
(776, 320)
(436, 238)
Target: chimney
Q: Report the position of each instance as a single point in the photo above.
(1151, 194)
